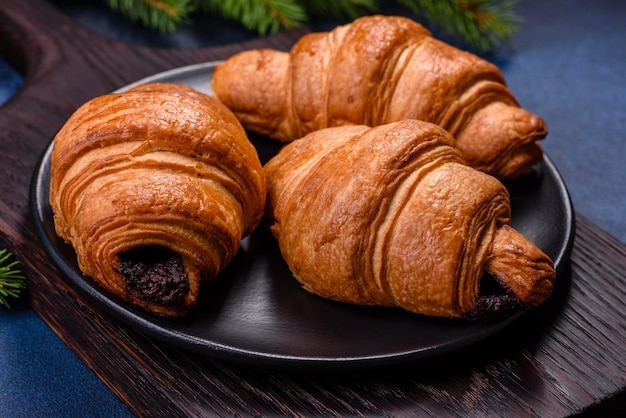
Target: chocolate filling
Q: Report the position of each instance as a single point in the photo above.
(494, 300)
(155, 274)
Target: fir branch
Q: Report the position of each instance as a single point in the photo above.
(12, 282)
(482, 24)
(262, 16)
(163, 15)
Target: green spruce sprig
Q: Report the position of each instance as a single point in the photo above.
(261, 16)
(164, 15)
(12, 282)
(482, 24)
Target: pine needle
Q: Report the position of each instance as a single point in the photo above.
(163, 15)
(482, 24)
(12, 282)
(262, 16)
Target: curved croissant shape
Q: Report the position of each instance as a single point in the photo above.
(392, 216)
(154, 188)
(378, 70)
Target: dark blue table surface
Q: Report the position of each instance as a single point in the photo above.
(567, 63)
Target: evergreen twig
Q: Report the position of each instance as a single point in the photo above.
(164, 15)
(482, 24)
(262, 16)
(12, 282)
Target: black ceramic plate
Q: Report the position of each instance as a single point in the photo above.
(255, 312)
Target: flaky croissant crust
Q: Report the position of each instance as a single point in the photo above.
(158, 166)
(377, 70)
(392, 216)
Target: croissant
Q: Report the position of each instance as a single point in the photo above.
(392, 216)
(378, 70)
(154, 188)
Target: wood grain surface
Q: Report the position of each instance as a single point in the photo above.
(562, 359)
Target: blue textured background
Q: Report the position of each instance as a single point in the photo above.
(567, 64)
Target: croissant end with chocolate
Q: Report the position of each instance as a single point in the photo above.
(392, 216)
(378, 70)
(155, 188)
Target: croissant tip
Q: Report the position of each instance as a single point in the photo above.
(521, 266)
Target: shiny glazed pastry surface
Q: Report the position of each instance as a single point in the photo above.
(154, 188)
(378, 70)
(392, 216)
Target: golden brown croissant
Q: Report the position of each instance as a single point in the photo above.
(379, 70)
(154, 188)
(392, 216)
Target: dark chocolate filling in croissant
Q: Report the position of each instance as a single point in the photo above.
(155, 274)
(494, 300)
